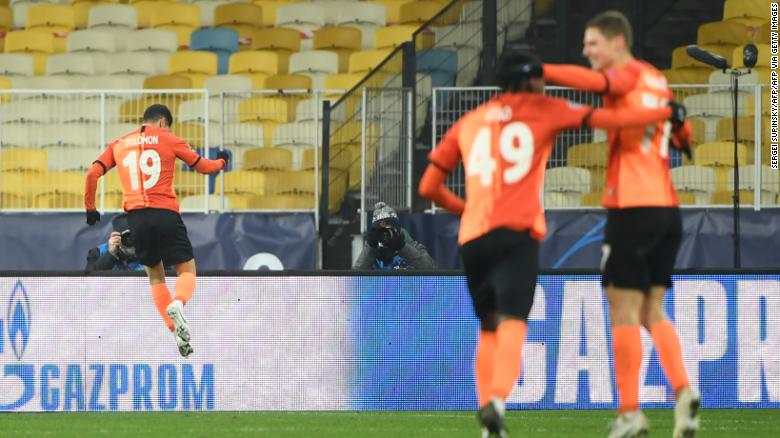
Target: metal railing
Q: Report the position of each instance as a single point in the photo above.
(49, 138)
(577, 166)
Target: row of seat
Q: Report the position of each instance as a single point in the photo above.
(723, 198)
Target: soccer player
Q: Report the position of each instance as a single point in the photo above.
(504, 145)
(146, 158)
(644, 228)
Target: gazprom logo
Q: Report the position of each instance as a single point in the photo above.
(18, 320)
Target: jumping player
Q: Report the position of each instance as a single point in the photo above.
(146, 158)
(644, 228)
(504, 145)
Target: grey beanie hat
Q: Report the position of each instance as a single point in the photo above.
(383, 211)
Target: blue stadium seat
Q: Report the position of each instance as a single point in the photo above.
(441, 64)
(223, 42)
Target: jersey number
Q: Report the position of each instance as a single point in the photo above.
(516, 145)
(149, 164)
(652, 101)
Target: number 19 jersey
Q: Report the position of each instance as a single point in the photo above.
(146, 162)
(504, 145)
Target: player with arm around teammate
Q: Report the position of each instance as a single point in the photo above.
(504, 145)
(145, 160)
(644, 228)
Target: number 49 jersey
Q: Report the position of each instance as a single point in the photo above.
(145, 162)
(504, 145)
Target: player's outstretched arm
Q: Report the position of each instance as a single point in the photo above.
(613, 118)
(185, 153)
(432, 187)
(614, 83)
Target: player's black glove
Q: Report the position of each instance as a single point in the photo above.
(225, 155)
(391, 238)
(93, 217)
(678, 113)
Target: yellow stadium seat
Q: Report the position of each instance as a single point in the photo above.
(6, 23)
(420, 12)
(752, 13)
(724, 32)
(13, 193)
(23, 159)
(366, 61)
(59, 190)
(686, 198)
(393, 36)
(343, 81)
(281, 40)
(146, 9)
(55, 19)
(167, 82)
(283, 202)
(766, 102)
(341, 40)
(269, 9)
(244, 18)
(188, 182)
(746, 132)
(257, 65)
(266, 109)
(131, 111)
(35, 43)
(181, 18)
(303, 183)
(267, 159)
(393, 9)
(764, 56)
(192, 133)
(699, 129)
(588, 155)
(592, 199)
(720, 154)
(338, 160)
(598, 177)
(764, 34)
(726, 197)
(288, 82)
(688, 75)
(81, 11)
(196, 65)
(250, 181)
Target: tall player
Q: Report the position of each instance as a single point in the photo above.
(505, 144)
(644, 228)
(146, 158)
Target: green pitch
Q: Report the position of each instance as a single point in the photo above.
(725, 423)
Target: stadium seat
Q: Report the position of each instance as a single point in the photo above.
(244, 18)
(70, 157)
(218, 84)
(344, 82)
(720, 157)
(746, 130)
(338, 159)
(37, 44)
(24, 111)
(726, 197)
(751, 13)
(698, 180)
(243, 136)
(289, 82)
(13, 192)
(393, 36)
(713, 105)
(256, 65)
(196, 65)
(564, 186)
(766, 102)
(303, 17)
(724, 32)
(440, 64)
(699, 128)
(166, 82)
(70, 64)
(366, 61)
(197, 202)
(55, 19)
(152, 40)
(251, 182)
(222, 42)
(295, 134)
(392, 9)
(266, 109)
(688, 75)
(419, 12)
(366, 17)
(764, 34)
(23, 159)
(770, 182)
(764, 56)
(273, 158)
(280, 40)
(179, 17)
(283, 202)
(113, 15)
(341, 40)
(6, 22)
(588, 155)
(92, 41)
(316, 64)
(16, 64)
(133, 63)
(592, 199)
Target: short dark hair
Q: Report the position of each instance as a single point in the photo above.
(156, 112)
(515, 68)
(612, 24)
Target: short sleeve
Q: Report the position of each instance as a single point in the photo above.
(447, 153)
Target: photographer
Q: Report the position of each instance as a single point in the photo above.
(387, 246)
(118, 254)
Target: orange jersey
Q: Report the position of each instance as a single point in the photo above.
(505, 144)
(146, 162)
(638, 169)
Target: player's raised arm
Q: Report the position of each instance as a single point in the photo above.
(612, 82)
(103, 164)
(443, 160)
(202, 165)
(618, 118)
